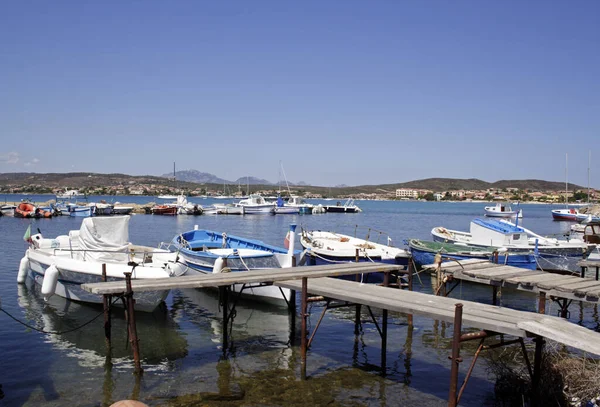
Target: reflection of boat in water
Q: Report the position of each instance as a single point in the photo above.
(161, 343)
(257, 327)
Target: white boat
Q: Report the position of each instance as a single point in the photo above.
(347, 207)
(119, 209)
(60, 265)
(329, 248)
(229, 209)
(502, 210)
(70, 193)
(187, 208)
(255, 204)
(167, 196)
(101, 208)
(295, 201)
(551, 253)
(8, 210)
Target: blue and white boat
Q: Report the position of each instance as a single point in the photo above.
(424, 252)
(207, 251)
(80, 211)
(551, 254)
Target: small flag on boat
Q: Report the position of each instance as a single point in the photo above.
(27, 235)
(286, 241)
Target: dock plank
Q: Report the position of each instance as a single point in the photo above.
(571, 334)
(552, 284)
(252, 276)
(441, 308)
(582, 283)
(530, 280)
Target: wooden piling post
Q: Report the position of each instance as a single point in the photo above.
(106, 302)
(494, 295)
(304, 334)
(292, 309)
(133, 338)
(384, 328)
(537, 367)
(410, 273)
(357, 308)
(455, 358)
(542, 303)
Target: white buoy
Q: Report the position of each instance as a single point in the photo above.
(23, 267)
(195, 227)
(218, 266)
(49, 283)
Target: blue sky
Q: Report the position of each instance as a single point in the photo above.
(341, 92)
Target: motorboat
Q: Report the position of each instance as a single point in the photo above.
(348, 207)
(61, 264)
(101, 208)
(502, 210)
(551, 253)
(207, 251)
(424, 252)
(230, 209)
(282, 209)
(8, 210)
(566, 214)
(69, 194)
(295, 201)
(119, 209)
(255, 204)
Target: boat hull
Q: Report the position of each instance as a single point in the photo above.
(69, 285)
(565, 215)
(422, 256)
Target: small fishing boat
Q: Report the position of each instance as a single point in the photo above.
(348, 207)
(255, 204)
(502, 210)
(304, 207)
(330, 247)
(119, 209)
(80, 211)
(282, 209)
(101, 208)
(60, 265)
(424, 252)
(164, 210)
(566, 214)
(551, 253)
(207, 251)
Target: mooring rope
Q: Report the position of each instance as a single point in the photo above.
(56, 332)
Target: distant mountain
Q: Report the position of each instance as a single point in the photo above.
(252, 181)
(449, 184)
(197, 177)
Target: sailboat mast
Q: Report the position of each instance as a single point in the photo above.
(589, 163)
(566, 179)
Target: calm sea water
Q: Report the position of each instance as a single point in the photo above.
(180, 345)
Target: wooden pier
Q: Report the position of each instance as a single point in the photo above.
(560, 288)
(494, 321)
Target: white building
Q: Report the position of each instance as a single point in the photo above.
(407, 193)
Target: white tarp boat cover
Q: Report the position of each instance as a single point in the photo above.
(103, 236)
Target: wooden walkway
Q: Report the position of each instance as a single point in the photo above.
(488, 317)
(534, 281)
(246, 277)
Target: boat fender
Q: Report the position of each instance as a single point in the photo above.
(218, 266)
(23, 267)
(49, 282)
(176, 269)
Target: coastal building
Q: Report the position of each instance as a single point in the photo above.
(407, 193)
